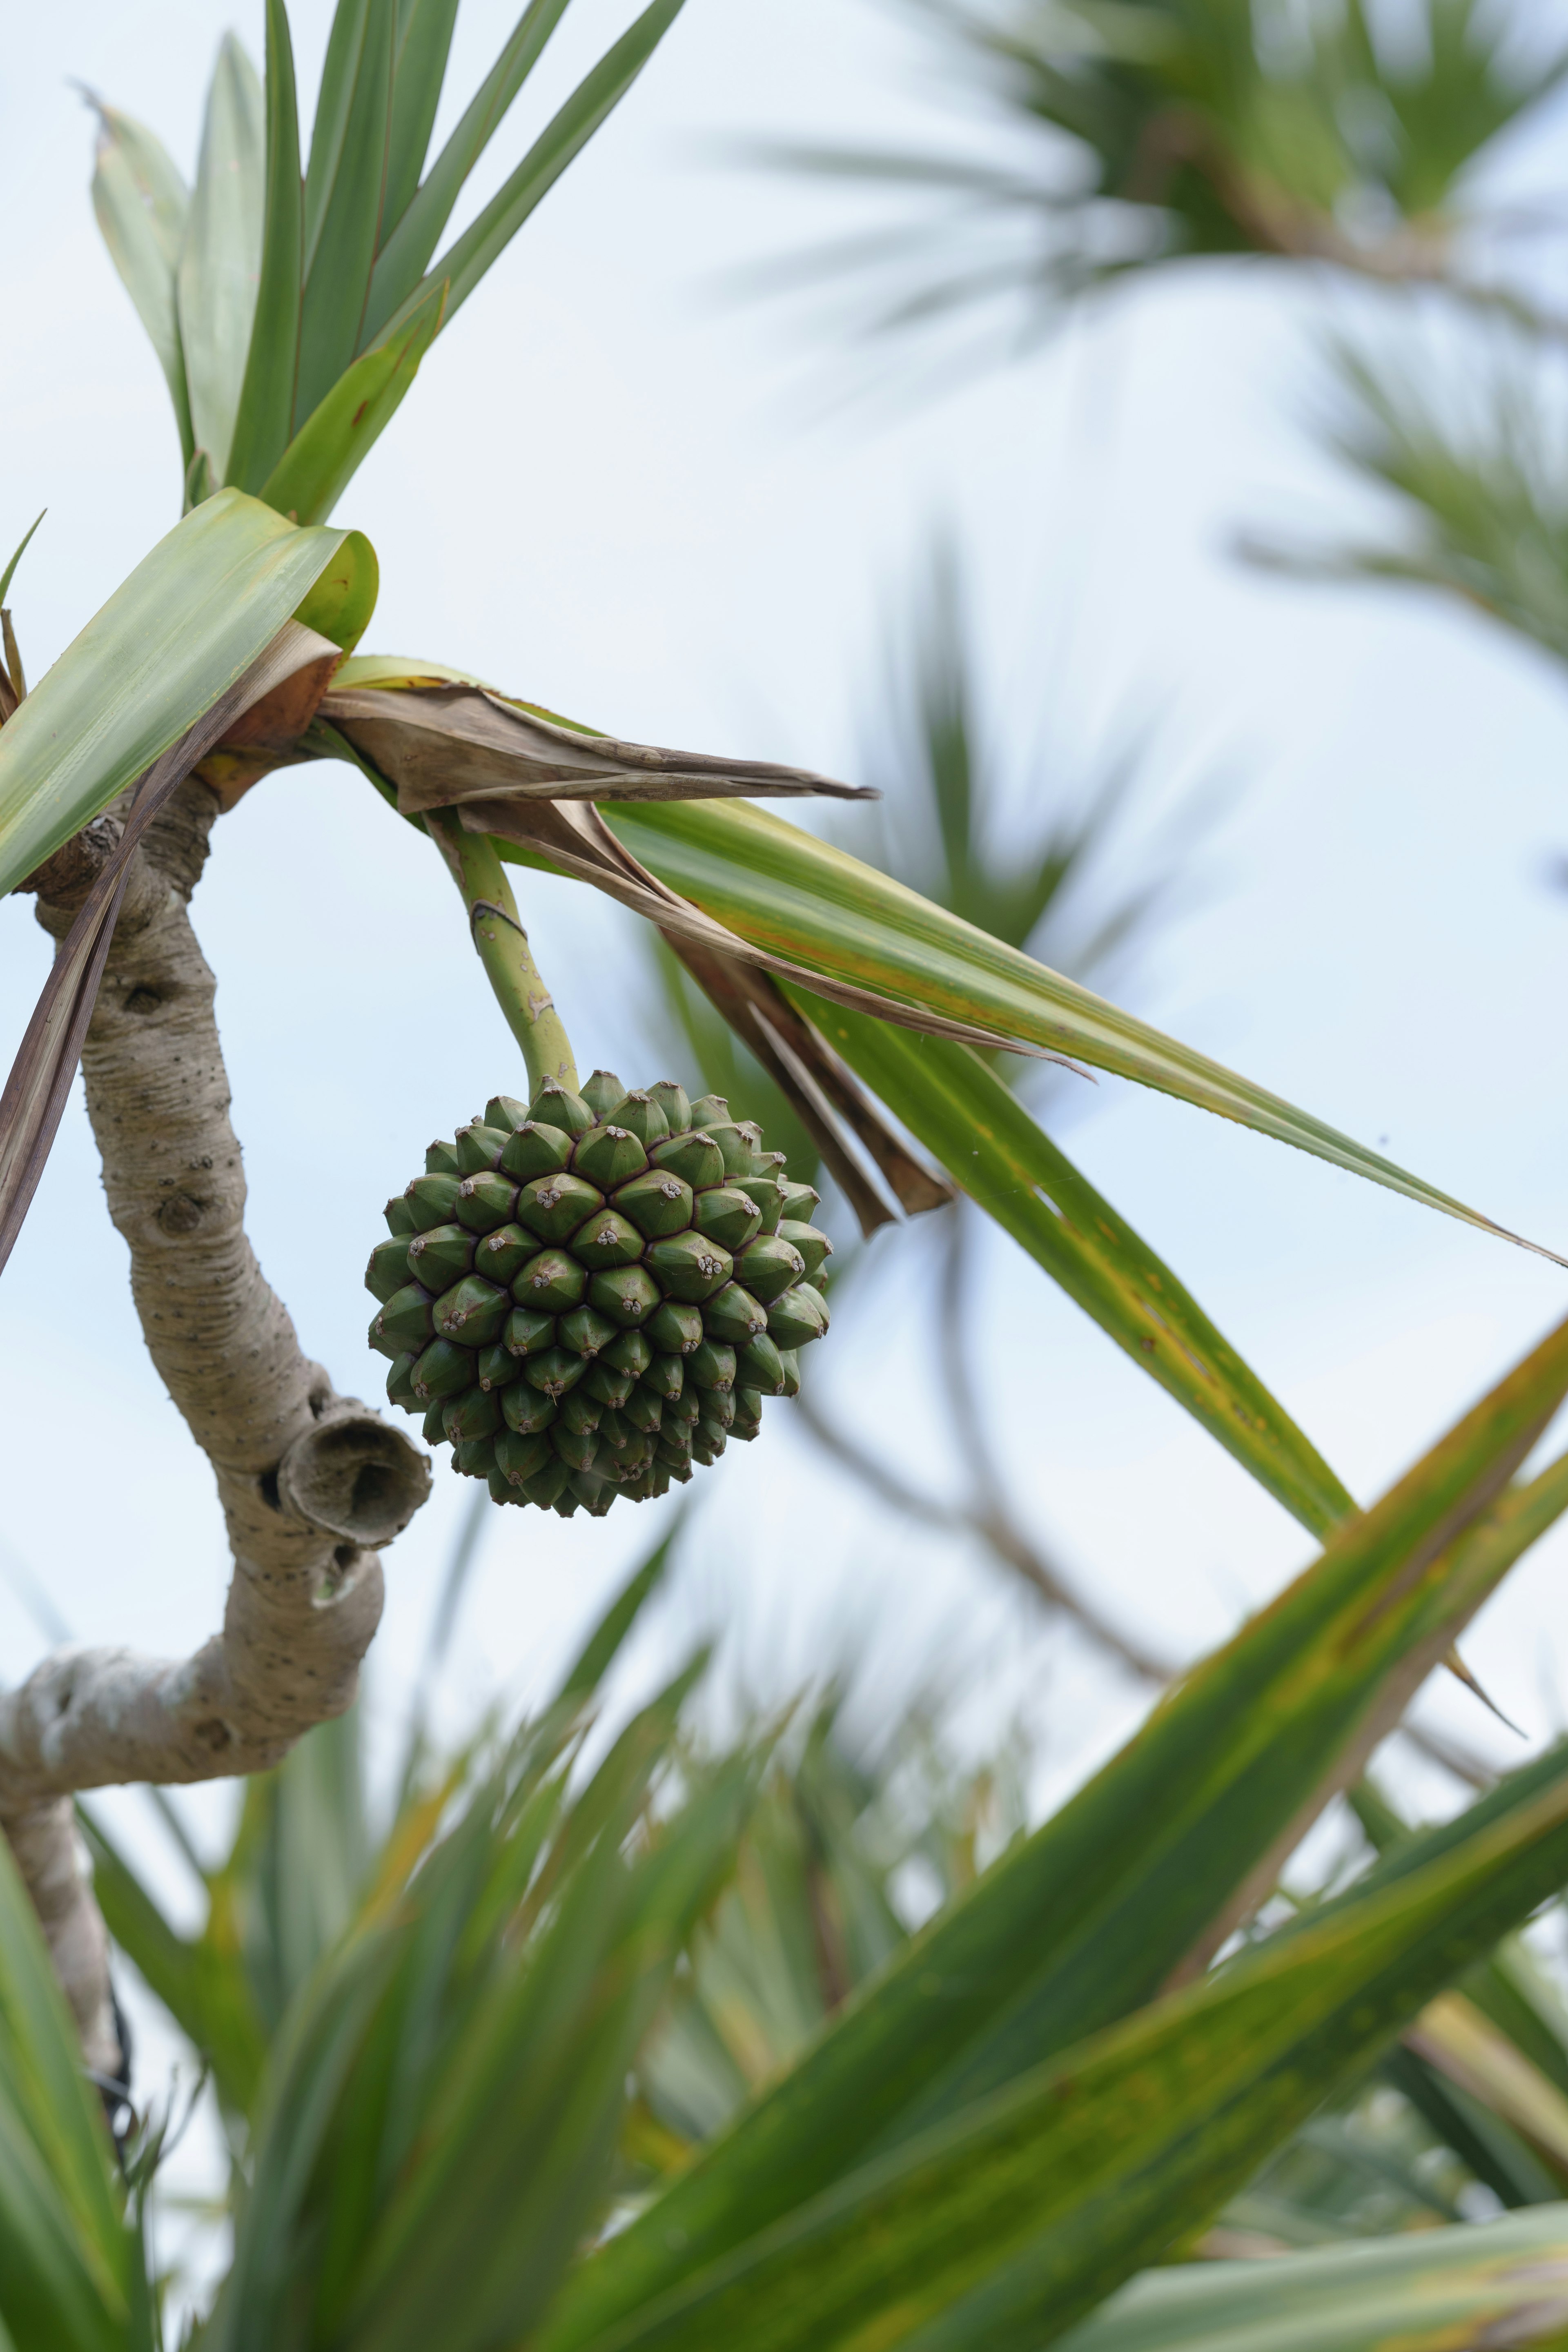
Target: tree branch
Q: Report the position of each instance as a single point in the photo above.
(312, 1484)
(988, 1518)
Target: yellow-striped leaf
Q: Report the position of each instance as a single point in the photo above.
(801, 898)
(957, 1106)
(1085, 1919)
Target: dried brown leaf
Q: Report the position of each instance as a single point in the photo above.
(267, 736)
(823, 1089)
(446, 744)
(576, 839)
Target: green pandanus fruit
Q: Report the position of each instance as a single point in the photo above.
(588, 1294)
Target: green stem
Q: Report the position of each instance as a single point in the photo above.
(504, 949)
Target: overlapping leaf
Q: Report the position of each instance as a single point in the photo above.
(803, 900)
(955, 1105)
(481, 245)
(185, 625)
(316, 466)
(344, 194)
(445, 2100)
(998, 2227)
(290, 318)
(65, 2254)
(265, 418)
(416, 219)
(1085, 1920)
(301, 1871)
(1427, 2291)
(220, 257)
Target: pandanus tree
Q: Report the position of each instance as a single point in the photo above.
(585, 1291)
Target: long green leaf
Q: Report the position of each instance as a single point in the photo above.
(787, 891)
(996, 2231)
(64, 2250)
(342, 247)
(188, 622)
(266, 416)
(414, 229)
(333, 100)
(1085, 1919)
(419, 68)
(315, 468)
(143, 204)
(1509, 1989)
(519, 2138)
(202, 1984)
(163, 1958)
(948, 1097)
(220, 261)
(301, 1862)
(564, 138)
(1423, 2291)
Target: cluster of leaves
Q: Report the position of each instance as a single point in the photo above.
(290, 309)
(995, 2123)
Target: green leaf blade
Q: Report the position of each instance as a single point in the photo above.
(1421, 2291)
(266, 413)
(1085, 1918)
(64, 2250)
(333, 100)
(321, 460)
(796, 895)
(419, 69)
(960, 1110)
(998, 2230)
(186, 625)
(9, 574)
(341, 252)
(142, 205)
(561, 140)
(204, 1992)
(220, 261)
(413, 231)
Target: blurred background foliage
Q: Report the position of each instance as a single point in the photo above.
(827, 1833)
(1109, 139)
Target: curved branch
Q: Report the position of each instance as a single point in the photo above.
(312, 1485)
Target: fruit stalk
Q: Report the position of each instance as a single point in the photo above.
(503, 949)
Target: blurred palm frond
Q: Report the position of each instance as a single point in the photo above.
(1118, 136)
(1473, 457)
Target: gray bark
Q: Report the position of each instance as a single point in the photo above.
(312, 1485)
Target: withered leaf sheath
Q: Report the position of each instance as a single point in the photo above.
(588, 1294)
